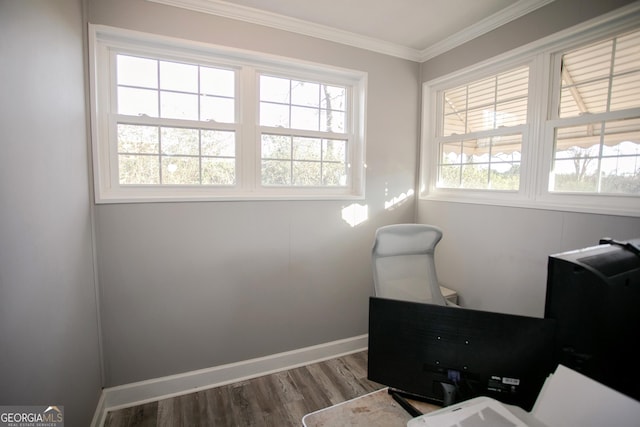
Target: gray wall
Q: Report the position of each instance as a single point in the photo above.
(48, 316)
(191, 285)
(496, 257)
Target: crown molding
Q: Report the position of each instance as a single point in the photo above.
(281, 22)
(494, 21)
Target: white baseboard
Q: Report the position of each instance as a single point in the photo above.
(175, 385)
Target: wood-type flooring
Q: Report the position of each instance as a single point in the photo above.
(279, 399)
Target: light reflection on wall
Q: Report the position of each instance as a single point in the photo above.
(398, 200)
(355, 214)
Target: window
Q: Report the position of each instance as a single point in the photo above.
(167, 119)
(174, 120)
(303, 138)
(596, 123)
(480, 132)
(554, 125)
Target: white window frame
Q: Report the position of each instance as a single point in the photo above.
(432, 113)
(105, 42)
(537, 151)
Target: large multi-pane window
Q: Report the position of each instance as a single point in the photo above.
(167, 115)
(596, 118)
(174, 120)
(555, 125)
(303, 135)
(480, 136)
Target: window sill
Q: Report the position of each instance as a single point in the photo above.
(602, 205)
(236, 197)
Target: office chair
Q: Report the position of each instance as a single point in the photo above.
(403, 263)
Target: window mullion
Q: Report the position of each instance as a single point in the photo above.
(292, 160)
(303, 133)
(159, 97)
(511, 130)
(160, 157)
(600, 154)
(495, 103)
(200, 163)
(595, 117)
(248, 140)
(610, 85)
(466, 110)
(180, 123)
(536, 155)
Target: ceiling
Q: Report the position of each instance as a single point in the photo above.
(410, 29)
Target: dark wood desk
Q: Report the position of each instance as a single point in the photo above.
(377, 409)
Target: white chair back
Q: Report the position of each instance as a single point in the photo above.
(404, 265)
